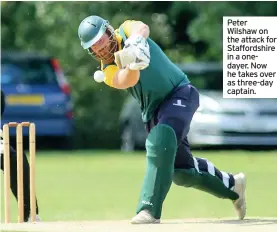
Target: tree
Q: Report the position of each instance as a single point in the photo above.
(187, 31)
(208, 26)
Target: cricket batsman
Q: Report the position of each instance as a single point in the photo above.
(131, 60)
(13, 172)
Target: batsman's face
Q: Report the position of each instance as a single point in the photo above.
(105, 48)
(102, 47)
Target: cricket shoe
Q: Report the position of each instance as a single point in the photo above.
(36, 220)
(144, 217)
(239, 188)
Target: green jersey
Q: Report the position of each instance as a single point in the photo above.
(156, 81)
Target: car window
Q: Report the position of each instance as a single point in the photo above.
(208, 80)
(27, 72)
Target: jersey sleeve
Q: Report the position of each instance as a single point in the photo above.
(127, 27)
(110, 72)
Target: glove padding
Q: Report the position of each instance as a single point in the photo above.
(135, 54)
(124, 57)
(136, 40)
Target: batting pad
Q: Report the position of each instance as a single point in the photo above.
(161, 146)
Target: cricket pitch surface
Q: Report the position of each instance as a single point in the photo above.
(178, 225)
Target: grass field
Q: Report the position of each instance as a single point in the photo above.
(98, 185)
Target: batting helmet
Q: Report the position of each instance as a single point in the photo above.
(91, 30)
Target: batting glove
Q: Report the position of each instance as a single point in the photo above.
(124, 57)
(139, 46)
(135, 54)
(136, 40)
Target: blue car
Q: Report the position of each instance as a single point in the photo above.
(37, 91)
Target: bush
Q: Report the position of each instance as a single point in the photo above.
(96, 109)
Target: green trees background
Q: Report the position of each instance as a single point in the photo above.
(187, 31)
